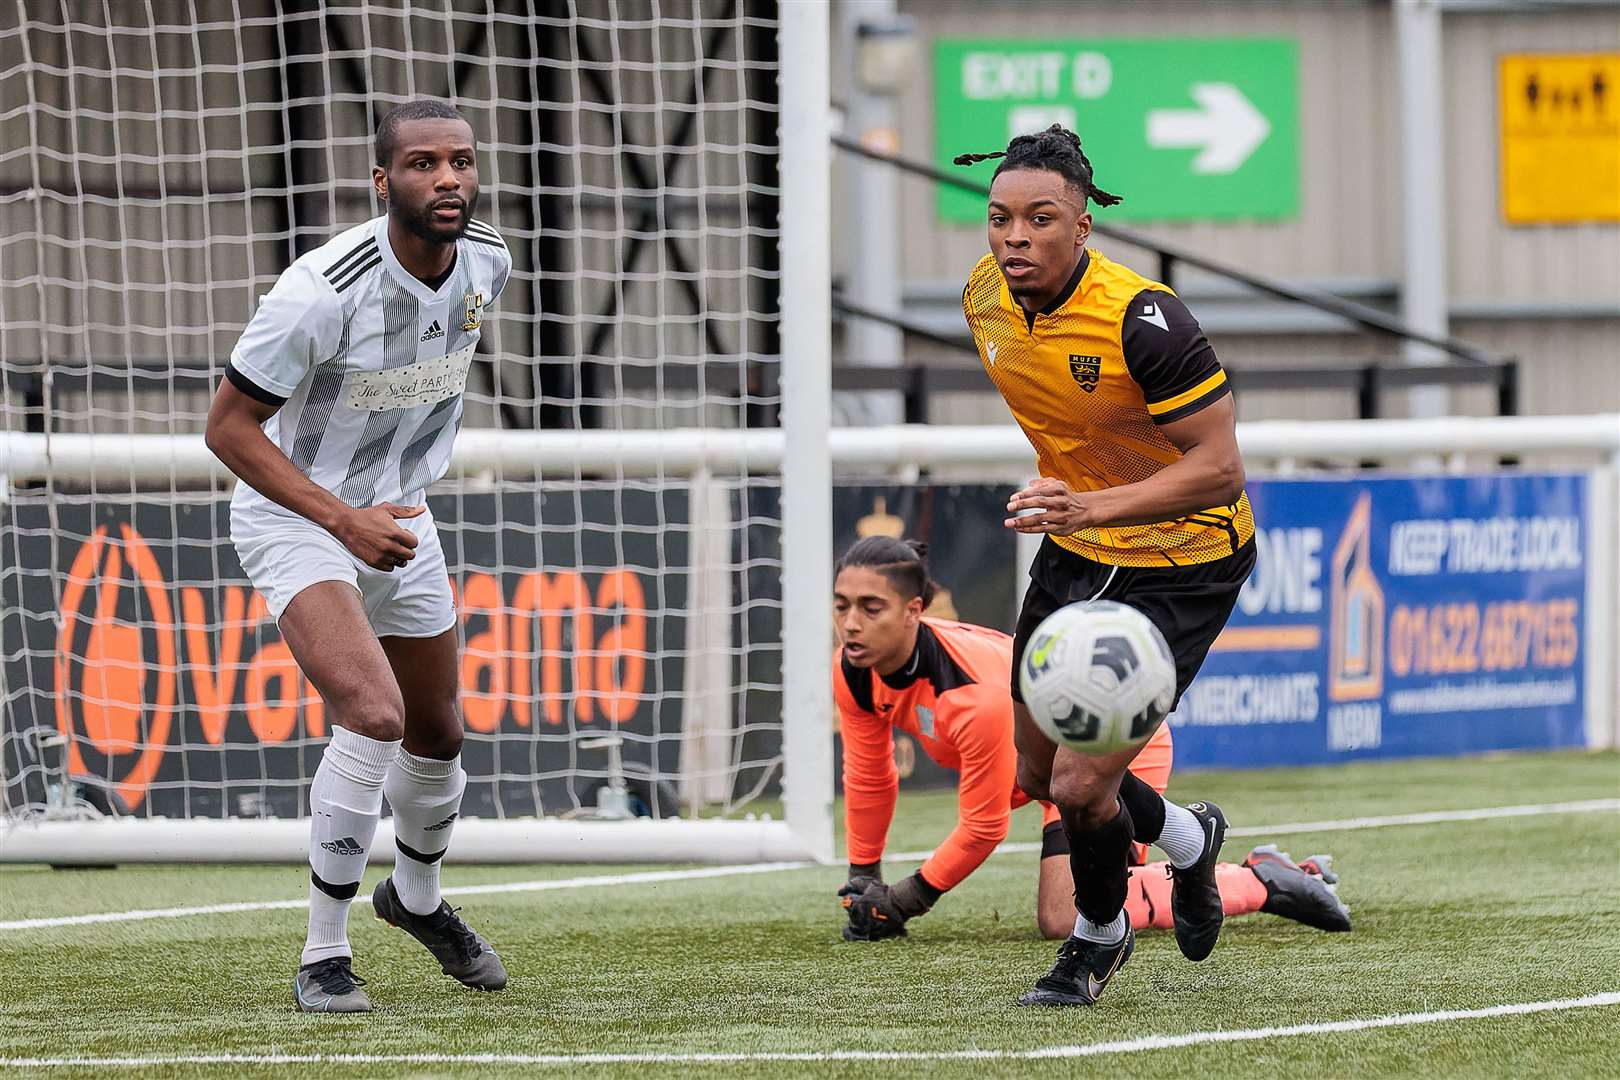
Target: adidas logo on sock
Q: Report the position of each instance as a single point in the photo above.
(345, 846)
(433, 331)
(445, 824)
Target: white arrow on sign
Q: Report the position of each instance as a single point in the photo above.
(1228, 128)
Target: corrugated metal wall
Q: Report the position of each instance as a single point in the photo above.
(1571, 357)
(1349, 222)
(1488, 259)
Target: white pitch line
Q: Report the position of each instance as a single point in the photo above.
(600, 881)
(1432, 817)
(153, 913)
(1119, 1046)
(590, 881)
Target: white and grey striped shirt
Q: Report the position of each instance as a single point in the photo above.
(368, 363)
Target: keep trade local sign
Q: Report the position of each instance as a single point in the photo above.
(1181, 128)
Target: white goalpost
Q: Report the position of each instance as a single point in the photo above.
(632, 686)
(985, 453)
(638, 515)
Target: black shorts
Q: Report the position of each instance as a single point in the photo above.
(1189, 604)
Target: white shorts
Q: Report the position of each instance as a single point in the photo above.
(284, 554)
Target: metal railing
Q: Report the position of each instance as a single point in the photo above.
(1172, 255)
(916, 383)
(1368, 380)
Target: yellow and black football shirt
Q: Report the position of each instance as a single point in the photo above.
(1090, 378)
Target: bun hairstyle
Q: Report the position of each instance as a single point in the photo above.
(903, 562)
(1057, 149)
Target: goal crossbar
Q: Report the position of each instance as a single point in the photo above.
(992, 449)
(87, 458)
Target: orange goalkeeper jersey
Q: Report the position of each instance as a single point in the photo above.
(954, 698)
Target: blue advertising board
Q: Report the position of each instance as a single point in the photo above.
(1397, 617)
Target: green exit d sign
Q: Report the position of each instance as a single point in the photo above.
(1182, 128)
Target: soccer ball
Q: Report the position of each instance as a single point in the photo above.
(1098, 677)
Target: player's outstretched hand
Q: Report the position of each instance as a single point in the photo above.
(882, 911)
(1048, 505)
(861, 875)
(373, 538)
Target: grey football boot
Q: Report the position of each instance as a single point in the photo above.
(330, 986)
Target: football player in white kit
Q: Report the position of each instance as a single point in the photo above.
(340, 405)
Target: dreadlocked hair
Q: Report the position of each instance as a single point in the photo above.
(903, 562)
(1057, 149)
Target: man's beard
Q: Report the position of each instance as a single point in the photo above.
(423, 225)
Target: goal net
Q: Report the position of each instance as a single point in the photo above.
(614, 531)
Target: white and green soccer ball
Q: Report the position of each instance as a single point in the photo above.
(1097, 677)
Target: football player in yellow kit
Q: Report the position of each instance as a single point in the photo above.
(1140, 500)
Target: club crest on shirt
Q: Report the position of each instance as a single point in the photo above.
(475, 310)
(925, 720)
(1087, 371)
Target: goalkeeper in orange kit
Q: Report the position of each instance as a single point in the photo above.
(945, 684)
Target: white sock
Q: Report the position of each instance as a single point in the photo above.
(1101, 933)
(345, 801)
(328, 933)
(1183, 837)
(426, 797)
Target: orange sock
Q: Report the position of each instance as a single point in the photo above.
(1153, 882)
(1148, 899)
(1242, 892)
(1137, 907)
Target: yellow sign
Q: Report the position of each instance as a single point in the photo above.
(1560, 137)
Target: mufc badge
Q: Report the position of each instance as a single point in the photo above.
(1087, 371)
(475, 311)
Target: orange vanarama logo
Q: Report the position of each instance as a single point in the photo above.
(117, 679)
(133, 653)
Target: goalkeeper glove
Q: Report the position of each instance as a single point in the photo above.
(882, 911)
(861, 876)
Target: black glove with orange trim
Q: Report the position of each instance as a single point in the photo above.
(881, 911)
(861, 877)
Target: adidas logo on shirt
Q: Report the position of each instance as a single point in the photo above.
(433, 331)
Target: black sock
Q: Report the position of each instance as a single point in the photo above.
(1146, 807)
(1099, 861)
